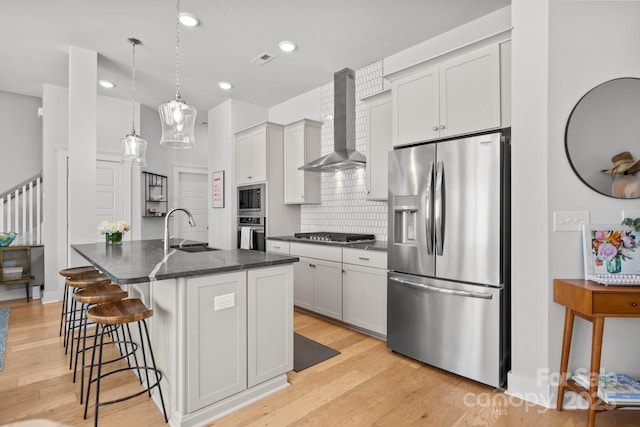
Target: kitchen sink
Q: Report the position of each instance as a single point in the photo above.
(196, 248)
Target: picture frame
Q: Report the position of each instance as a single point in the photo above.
(610, 250)
(217, 189)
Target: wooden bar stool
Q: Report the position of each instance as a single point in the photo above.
(89, 297)
(72, 324)
(116, 313)
(71, 273)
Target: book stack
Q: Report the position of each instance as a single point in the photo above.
(614, 389)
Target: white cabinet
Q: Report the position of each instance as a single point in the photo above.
(456, 96)
(216, 341)
(301, 145)
(364, 287)
(379, 143)
(270, 323)
(318, 278)
(251, 152)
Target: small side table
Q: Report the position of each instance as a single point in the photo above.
(592, 302)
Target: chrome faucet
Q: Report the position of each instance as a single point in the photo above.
(166, 225)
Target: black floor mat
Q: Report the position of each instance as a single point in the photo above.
(307, 352)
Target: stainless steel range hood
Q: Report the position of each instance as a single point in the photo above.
(344, 155)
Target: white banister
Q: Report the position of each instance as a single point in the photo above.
(21, 211)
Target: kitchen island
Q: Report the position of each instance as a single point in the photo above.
(222, 330)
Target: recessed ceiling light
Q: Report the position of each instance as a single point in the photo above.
(106, 84)
(225, 85)
(188, 19)
(287, 46)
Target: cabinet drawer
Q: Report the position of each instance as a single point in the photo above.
(278, 247)
(618, 304)
(376, 259)
(330, 253)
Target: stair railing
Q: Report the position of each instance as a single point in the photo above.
(21, 211)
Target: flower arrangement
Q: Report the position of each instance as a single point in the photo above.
(113, 226)
(611, 247)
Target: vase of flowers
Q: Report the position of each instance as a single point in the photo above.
(113, 230)
(611, 247)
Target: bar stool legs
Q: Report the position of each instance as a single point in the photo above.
(112, 314)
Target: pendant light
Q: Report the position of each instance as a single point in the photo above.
(176, 116)
(134, 148)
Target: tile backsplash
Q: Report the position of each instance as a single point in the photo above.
(344, 206)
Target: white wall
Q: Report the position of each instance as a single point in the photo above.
(590, 42)
(21, 146)
(224, 121)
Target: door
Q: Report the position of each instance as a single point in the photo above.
(411, 172)
(192, 190)
(450, 325)
(416, 108)
(109, 193)
(304, 277)
(467, 210)
(327, 291)
(294, 158)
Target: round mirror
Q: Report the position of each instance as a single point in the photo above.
(602, 138)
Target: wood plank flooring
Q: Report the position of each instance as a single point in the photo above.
(366, 385)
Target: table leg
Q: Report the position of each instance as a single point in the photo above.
(564, 361)
(596, 353)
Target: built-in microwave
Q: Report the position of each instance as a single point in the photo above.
(252, 200)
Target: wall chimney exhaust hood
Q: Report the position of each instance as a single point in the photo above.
(344, 155)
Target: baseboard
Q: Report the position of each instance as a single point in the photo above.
(530, 389)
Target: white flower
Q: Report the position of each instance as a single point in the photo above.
(113, 226)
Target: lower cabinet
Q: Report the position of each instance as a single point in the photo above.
(239, 332)
(318, 286)
(364, 291)
(269, 323)
(217, 340)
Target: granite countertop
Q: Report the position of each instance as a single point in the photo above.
(141, 261)
(378, 245)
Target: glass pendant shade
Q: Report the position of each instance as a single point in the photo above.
(134, 149)
(178, 121)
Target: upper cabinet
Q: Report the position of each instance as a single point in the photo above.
(301, 145)
(453, 96)
(379, 143)
(251, 152)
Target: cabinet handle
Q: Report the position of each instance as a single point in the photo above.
(363, 258)
(312, 265)
(344, 272)
(249, 177)
(634, 304)
(435, 128)
(442, 126)
(276, 247)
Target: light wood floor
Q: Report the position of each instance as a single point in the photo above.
(366, 385)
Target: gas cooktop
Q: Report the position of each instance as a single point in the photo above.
(325, 236)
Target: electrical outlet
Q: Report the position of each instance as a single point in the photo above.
(222, 302)
(570, 220)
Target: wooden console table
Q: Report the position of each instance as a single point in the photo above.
(592, 302)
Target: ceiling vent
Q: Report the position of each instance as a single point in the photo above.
(263, 58)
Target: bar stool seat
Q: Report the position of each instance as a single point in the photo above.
(83, 282)
(111, 314)
(71, 273)
(88, 297)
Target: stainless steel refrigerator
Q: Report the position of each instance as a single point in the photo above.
(448, 281)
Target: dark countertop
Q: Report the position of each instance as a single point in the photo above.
(141, 261)
(378, 245)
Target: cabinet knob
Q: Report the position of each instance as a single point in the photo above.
(312, 265)
(442, 126)
(435, 128)
(249, 177)
(634, 304)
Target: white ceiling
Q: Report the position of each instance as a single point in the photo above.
(330, 34)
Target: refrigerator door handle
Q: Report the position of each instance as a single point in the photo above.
(439, 209)
(429, 209)
(442, 290)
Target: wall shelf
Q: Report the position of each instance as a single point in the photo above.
(155, 195)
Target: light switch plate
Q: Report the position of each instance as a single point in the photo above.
(630, 214)
(570, 220)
